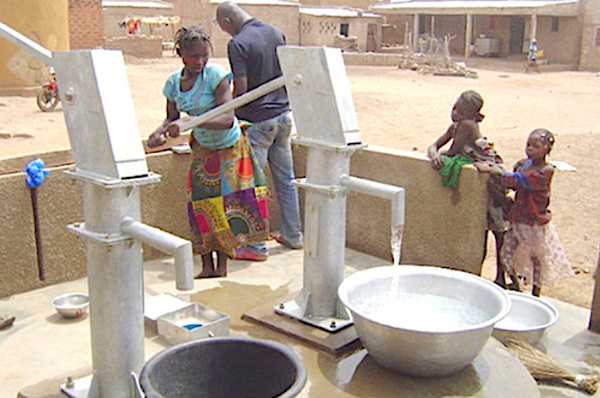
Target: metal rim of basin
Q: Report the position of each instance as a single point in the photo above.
(62, 302)
(293, 390)
(535, 302)
(363, 276)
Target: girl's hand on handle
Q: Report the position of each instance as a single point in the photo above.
(168, 128)
(174, 128)
(158, 137)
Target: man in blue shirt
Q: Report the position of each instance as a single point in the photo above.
(252, 53)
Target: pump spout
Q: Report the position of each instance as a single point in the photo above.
(179, 248)
(393, 193)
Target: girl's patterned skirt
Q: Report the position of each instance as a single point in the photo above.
(228, 198)
(523, 243)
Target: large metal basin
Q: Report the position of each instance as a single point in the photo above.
(224, 367)
(423, 321)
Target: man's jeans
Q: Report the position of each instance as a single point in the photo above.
(270, 140)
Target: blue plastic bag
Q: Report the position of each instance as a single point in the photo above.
(35, 173)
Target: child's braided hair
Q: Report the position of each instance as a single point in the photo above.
(546, 137)
(185, 37)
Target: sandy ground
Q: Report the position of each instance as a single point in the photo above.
(406, 110)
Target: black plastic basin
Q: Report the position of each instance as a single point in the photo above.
(224, 367)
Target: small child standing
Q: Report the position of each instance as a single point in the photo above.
(531, 246)
(469, 146)
(532, 56)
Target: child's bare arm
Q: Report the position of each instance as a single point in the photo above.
(519, 164)
(433, 151)
(159, 135)
(548, 171)
(489, 167)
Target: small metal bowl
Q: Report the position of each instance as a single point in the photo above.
(71, 305)
(527, 320)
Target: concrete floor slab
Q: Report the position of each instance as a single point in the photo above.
(41, 349)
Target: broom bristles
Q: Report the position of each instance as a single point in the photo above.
(542, 367)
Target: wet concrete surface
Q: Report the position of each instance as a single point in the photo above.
(41, 349)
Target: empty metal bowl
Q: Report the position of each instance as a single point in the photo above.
(527, 320)
(423, 321)
(71, 305)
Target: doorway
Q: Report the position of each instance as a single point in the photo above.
(517, 32)
(372, 38)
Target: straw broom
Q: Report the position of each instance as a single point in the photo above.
(542, 367)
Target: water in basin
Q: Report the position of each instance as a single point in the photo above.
(422, 321)
(423, 312)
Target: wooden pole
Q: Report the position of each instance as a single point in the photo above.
(594, 324)
(468, 35)
(416, 33)
(533, 33)
(38, 233)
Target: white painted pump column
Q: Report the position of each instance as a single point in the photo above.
(327, 125)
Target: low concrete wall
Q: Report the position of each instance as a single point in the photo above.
(137, 46)
(442, 227)
(59, 204)
(372, 59)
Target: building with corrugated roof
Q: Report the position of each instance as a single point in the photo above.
(328, 26)
(566, 30)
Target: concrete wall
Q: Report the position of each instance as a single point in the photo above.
(453, 26)
(112, 16)
(372, 59)
(442, 227)
(45, 23)
(193, 12)
(359, 4)
(138, 46)
(284, 16)
(395, 29)
(59, 204)
(322, 30)
(562, 46)
(85, 24)
(590, 37)
(493, 26)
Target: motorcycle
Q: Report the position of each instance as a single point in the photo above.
(47, 97)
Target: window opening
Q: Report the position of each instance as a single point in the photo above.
(554, 24)
(344, 29)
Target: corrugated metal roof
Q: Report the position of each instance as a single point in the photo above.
(470, 4)
(136, 4)
(485, 3)
(259, 2)
(336, 12)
